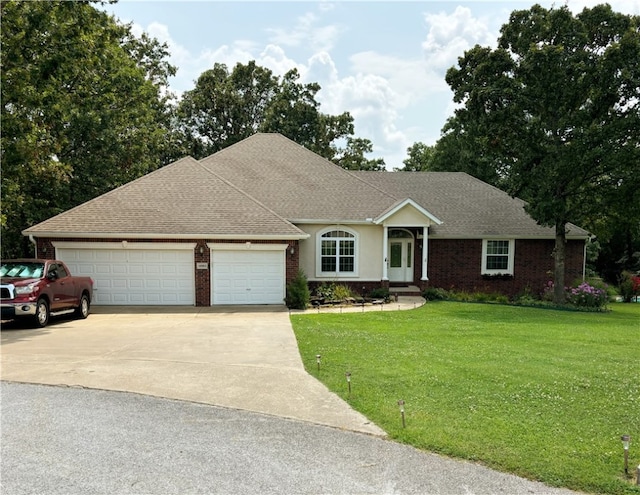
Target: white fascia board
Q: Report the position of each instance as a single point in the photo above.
(379, 220)
(129, 235)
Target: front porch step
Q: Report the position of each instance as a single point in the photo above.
(410, 290)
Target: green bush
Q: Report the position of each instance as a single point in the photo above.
(342, 292)
(379, 293)
(435, 294)
(629, 286)
(298, 295)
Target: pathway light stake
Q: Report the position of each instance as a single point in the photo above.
(348, 375)
(401, 405)
(318, 356)
(626, 440)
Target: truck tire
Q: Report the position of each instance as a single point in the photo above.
(82, 311)
(41, 317)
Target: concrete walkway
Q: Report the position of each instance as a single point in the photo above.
(237, 357)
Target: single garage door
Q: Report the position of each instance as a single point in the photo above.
(135, 276)
(248, 277)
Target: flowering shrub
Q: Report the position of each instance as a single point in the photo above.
(629, 286)
(587, 296)
(584, 295)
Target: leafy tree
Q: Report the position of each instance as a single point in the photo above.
(420, 158)
(83, 110)
(226, 107)
(556, 109)
(352, 158)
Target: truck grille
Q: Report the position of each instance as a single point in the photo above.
(6, 292)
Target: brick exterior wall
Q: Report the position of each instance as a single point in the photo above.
(456, 264)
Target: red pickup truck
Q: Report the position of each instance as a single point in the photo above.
(38, 289)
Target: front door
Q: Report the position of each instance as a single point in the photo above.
(401, 247)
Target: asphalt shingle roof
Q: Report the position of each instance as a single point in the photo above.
(263, 185)
(181, 199)
(468, 207)
(295, 182)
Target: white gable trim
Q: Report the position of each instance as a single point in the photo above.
(403, 204)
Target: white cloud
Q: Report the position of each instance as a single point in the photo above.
(306, 32)
(450, 35)
(382, 92)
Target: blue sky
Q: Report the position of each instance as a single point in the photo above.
(382, 61)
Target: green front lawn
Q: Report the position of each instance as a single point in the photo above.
(540, 393)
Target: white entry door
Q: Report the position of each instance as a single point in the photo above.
(401, 260)
(248, 277)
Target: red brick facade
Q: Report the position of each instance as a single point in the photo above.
(456, 264)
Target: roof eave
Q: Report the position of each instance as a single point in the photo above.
(129, 235)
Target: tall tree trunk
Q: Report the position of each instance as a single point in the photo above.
(558, 263)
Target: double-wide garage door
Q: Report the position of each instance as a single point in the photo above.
(135, 276)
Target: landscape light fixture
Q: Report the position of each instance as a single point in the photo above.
(318, 356)
(401, 405)
(348, 375)
(626, 440)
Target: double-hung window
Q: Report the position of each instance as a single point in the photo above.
(497, 256)
(337, 253)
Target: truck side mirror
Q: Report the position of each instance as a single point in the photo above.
(52, 275)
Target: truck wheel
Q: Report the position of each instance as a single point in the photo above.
(82, 311)
(42, 313)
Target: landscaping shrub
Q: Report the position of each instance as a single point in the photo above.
(587, 296)
(629, 286)
(298, 295)
(379, 293)
(342, 292)
(435, 294)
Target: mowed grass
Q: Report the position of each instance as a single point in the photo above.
(544, 394)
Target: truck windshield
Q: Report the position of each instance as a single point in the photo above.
(21, 269)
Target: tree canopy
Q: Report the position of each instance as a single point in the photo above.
(84, 109)
(228, 106)
(554, 114)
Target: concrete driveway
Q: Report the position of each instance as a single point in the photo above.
(238, 357)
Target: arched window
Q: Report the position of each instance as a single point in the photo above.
(337, 253)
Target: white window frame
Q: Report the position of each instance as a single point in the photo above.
(510, 257)
(337, 273)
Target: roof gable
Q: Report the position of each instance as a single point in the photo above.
(408, 210)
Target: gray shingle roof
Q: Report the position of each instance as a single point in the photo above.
(295, 182)
(181, 199)
(263, 185)
(467, 206)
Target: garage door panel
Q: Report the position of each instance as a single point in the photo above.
(136, 276)
(248, 277)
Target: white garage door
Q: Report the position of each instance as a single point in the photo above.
(248, 277)
(126, 276)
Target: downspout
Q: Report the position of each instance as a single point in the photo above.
(584, 257)
(35, 245)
